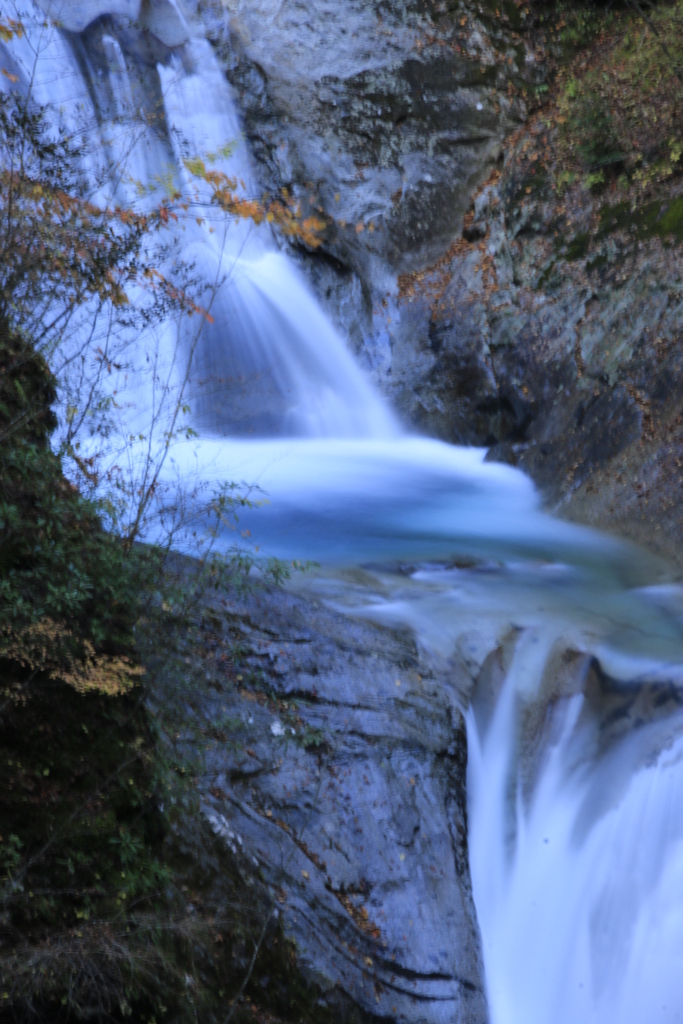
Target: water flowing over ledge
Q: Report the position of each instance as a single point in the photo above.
(575, 836)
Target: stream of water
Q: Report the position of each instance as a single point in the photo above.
(576, 825)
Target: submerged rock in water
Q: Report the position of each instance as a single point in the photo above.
(345, 796)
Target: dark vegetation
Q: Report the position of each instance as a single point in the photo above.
(619, 103)
(592, 188)
(117, 902)
(608, 131)
(69, 591)
(82, 881)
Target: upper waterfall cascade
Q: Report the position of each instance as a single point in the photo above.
(269, 363)
(562, 881)
(268, 371)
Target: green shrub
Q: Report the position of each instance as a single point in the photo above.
(69, 592)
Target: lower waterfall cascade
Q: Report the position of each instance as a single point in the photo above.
(575, 829)
(579, 884)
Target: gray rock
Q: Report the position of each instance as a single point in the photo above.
(347, 799)
(554, 343)
(381, 116)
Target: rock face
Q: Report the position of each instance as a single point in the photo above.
(491, 307)
(76, 15)
(382, 117)
(347, 799)
(551, 336)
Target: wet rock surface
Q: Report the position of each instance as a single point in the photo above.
(550, 336)
(382, 118)
(493, 306)
(345, 797)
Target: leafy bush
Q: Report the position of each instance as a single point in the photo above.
(69, 592)
(91, 922)
(619, 107)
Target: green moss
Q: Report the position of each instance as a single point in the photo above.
(670, 220)
(547, 279)
(662, 219)
(595, 180)
(578, 246)
(597, 262)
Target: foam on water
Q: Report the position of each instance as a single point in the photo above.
(579, 887)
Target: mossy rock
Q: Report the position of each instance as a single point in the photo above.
(661, 219)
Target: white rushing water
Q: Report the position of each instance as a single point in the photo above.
(276, 398)
(575, 780)
(579, 884)
(577, 866)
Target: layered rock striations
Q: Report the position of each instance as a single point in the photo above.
(344, 796)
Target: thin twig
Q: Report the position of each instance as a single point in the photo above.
(247, 976)
(269, 915)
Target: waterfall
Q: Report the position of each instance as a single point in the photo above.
(576, 861)
(274, 395)
(577, 876)
(271, 363)
(574, 780)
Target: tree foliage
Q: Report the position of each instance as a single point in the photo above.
(81, 286)
(68, 590)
